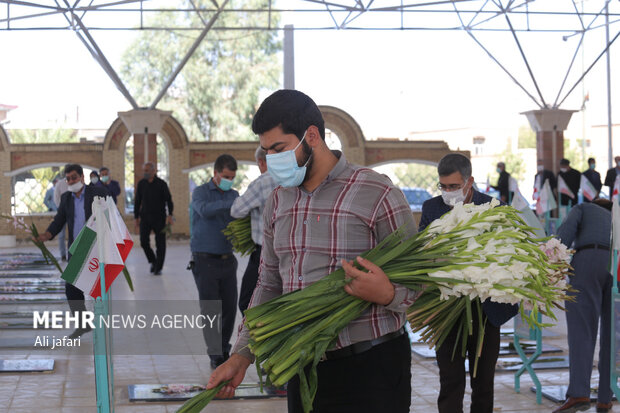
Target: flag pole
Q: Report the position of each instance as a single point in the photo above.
(105, 397)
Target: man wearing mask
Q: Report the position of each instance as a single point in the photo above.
(111, 185)
(213, 264)
(610, 177)
(593, 176)
(503, 183)
(543, 175)
(455, 183)
(572, 179)
(94, 178)
(152, 198)
(60, 188)
(74, 210)
(252, 203)
(324, 214)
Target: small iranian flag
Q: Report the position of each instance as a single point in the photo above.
(587, 189)
(537, 187)
(614, 193)
(615, 236)
(563, 188)
(546, 201)
(83, 269)
(120, 233)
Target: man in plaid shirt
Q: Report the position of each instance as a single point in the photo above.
(324, 214)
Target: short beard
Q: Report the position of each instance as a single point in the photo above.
(309, 159)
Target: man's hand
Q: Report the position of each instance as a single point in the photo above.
(46, 236)
(234, 370)
(169, 220)
(373, 286)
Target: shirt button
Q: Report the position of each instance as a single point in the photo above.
(305, 222)
(300, 278)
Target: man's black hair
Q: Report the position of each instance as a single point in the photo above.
(591, 160)
(70, 167)
(564, 161)
(290, 109)
(225, 161)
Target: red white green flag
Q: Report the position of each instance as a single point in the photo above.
(83, 268)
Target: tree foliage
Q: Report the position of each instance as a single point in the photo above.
(216, 94)
(527, 137)
(58, 135)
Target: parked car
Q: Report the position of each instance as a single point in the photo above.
(416, 197)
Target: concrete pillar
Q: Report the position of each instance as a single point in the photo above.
(549, 125)
(289, 57)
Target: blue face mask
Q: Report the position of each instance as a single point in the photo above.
(498, 170)
(592, 166)
(284, 169)
(225, 184)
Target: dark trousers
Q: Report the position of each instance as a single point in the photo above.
(250, 277)
(375, 381)
(593, 301)
(216, 279)
(75, 296)
(452, 370)
(155, 223)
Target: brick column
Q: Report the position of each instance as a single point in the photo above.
(549, 125)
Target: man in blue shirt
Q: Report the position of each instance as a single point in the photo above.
(214, 265)
(113, 187)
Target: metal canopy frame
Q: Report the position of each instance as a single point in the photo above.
(566, 17)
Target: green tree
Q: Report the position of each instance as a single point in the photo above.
(59, 135)
(515, 165)
(216, 94)
(575, 154)
(527, 137)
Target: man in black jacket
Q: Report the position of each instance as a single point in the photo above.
(503, 183)
(610, 178)
(594, 178)
(455, 183)
(572, 178)
(152, 197)
(74, 210)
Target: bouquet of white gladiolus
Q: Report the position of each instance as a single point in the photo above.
(492, 255)
(470, 254)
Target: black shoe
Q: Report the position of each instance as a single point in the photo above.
(152, 268)
(63, 258)
(79, 331)
(157, 272)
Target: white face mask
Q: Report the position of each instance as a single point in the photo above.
(75, 187)
(454, 197)
(541, 168)
(563, 170)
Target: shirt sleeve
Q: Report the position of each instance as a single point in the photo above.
(569, 228)
(204, 206)
(393, 213)
(250, 199)
(269, 284)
